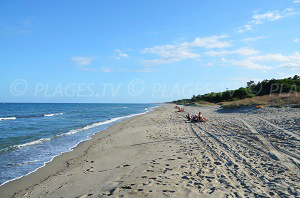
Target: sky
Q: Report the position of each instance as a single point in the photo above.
(134, 51)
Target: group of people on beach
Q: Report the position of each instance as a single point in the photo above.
(196, 118)
(192, 118)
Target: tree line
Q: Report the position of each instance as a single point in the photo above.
(266, 87)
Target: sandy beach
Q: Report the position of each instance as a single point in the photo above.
(240, 153)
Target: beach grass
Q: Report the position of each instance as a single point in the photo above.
(274, 100)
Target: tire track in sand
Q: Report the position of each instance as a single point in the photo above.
(272, 149)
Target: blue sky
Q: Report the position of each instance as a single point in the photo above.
(142, 51)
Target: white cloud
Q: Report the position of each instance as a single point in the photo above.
(268, 16)
(290, 65)
(248, 27)
(272, 16)
(296, 40)
(256, 62)
(291, 61)
(241, 51)
(247, 63)
(169, 54)
(146, 70)
(119, 70)
(103, 69)
(81, 61)
(245, 28)
(121, 54)
(296, 1)
(253, 38)
(106, 69)
(181, 51)
(278, 57)
(209, 42)
(210, 64)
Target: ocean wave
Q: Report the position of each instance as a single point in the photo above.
(52, 114)
(22, 163)
(8, 118)
(31, 116)
(73, 131)
(30, 162)
(39, 141)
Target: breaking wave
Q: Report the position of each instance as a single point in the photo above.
(8, 118)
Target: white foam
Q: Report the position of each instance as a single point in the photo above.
(73, 131)
(39, 141)
(53, 114)
(99, 124)
(30, 162)
(8, 118)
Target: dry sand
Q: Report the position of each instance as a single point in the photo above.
(248, 153)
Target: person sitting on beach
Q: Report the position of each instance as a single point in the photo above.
(200, 118)
(194, 118)
(188, 117)
(180, 109)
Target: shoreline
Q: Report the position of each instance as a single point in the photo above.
(56, 163)
(109, 123)
(160, 154)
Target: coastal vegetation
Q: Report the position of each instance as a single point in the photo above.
(274, 92)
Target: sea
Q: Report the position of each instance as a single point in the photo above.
(32, 134)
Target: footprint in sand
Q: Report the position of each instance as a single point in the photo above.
(171, 159)
(89, 170)
(126, 187)
(171, 191)
(86, 195)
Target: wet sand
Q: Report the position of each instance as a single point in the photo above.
(240, 153)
